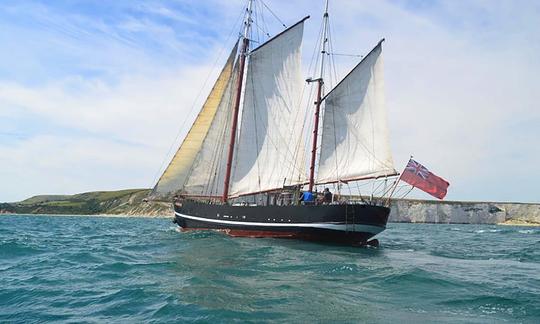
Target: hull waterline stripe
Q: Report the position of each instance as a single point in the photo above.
(331, 226)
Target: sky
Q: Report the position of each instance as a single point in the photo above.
(97, 95)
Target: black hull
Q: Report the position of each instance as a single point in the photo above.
(344, 224)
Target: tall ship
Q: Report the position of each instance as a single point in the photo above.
(256, 159)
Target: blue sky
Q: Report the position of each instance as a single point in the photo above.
(94, 93)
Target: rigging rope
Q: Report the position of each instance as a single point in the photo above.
(341, 54)
(273, 14)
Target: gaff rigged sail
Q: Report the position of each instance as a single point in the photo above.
(269, 151)
(355, 137)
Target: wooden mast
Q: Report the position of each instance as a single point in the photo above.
(242, 62)
(320, 84)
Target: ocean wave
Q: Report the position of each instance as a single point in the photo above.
(16, 248)
(489, 231)
(529, 231)
(133, 270)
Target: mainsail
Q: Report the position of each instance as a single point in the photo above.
(269, 153)
(355, 137)
(179, 168)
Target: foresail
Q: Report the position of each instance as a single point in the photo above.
(355, 137)
(174, 177)
(270, 151)
(207, 174)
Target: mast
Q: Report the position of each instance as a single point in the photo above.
(242, 60)
(320, 84)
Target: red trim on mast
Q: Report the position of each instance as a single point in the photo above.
(320, 83)
(315, 135)
(242, 58)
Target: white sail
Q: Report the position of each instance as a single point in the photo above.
(174, 177)
(269, 153)
(355, 137)
(208, 171)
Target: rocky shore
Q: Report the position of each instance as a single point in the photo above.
(456, 212)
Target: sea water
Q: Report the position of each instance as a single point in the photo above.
(100, 269)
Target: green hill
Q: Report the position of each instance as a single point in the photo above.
(121, 202)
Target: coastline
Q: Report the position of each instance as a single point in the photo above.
(512, 222)
(92, 215)
(136, 203)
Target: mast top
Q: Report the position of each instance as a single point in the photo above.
(248, 21)
(324, 40)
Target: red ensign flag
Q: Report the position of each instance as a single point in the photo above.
(418, 176)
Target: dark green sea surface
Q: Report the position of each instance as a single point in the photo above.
(98, 269)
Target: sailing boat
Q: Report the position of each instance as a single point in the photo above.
(243, 163)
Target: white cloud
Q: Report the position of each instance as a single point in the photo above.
(136, 109)
(118, 134)
(52, 164)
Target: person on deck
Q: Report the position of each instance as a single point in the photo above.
(177, 199)
(327, 196)
(307, 198)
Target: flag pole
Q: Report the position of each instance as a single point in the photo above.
(395, 186)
